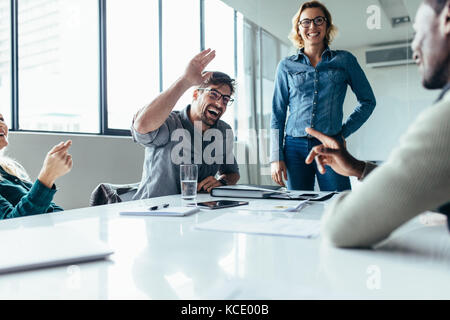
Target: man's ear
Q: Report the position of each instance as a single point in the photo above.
(445, 19)
(195, 95)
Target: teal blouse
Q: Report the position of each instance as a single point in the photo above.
(19, 198)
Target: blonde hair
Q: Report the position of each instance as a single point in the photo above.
(295, 37)
(13, 168)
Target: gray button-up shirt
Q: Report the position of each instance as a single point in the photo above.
(178, 142)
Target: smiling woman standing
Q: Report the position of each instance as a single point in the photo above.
(18, 196)
(312, 85)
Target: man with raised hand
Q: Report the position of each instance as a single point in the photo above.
(195, 135)
(416, 176)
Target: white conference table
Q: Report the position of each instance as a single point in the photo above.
(166, 258)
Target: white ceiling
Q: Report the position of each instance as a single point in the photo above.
(350, 16)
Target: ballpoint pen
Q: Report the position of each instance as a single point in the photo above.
(158, 207)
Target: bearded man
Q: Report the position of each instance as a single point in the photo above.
(195, 135)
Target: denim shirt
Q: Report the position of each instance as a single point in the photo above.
(315, 97)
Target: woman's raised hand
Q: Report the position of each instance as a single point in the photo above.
(57, 163)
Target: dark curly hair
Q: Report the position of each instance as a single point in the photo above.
(219, 78)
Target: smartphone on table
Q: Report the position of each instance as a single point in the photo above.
(220, 204)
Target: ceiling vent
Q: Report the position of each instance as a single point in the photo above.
(396, 12)
(391, 55)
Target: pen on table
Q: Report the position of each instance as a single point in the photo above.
(158, 207)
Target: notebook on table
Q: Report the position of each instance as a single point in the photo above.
(268, 192)
(166, 212)
(32, 248)
(246, 191)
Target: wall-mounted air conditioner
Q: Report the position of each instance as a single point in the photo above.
(391, 55)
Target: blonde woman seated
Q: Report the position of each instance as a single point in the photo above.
(18, 196)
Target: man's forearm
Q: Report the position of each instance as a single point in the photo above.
(358, 169)
(153, 116)
(368, 168)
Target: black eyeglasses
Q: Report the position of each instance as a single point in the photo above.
(318, 21)
(216, 95)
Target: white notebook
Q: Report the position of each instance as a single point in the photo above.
(167, 212)
(31, 248)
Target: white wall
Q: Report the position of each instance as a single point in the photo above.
(400, 98)
(96, 159)
(263, 12)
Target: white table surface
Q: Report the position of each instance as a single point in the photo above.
(166, 258)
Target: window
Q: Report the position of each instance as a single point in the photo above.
(269, 62)
(5, 60)
(58, 65)
(86, 66)
(220, 37)
(245, 96)
(133, 58)
(180, 41)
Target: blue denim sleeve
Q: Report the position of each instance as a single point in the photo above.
(366, 99)
(37, 201)
(280, 104)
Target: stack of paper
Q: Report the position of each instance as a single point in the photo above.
(246, 222)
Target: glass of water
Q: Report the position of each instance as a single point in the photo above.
(188, 180)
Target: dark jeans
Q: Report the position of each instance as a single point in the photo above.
(302, 176)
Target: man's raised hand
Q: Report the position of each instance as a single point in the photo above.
(194, 73)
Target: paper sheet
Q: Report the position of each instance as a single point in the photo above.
(266, 224)
(282, 206)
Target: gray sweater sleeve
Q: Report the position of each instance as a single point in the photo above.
(414, 179)
(370, 166)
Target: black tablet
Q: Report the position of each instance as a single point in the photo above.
(220, 204)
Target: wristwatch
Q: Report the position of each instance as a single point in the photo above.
(223, 182)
